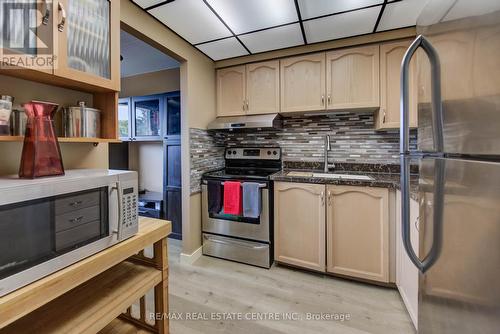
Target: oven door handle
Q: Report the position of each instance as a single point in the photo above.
(232, 242)
(261, 185)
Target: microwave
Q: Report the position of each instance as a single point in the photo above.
(50, 223)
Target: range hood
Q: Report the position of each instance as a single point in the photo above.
(270, 121)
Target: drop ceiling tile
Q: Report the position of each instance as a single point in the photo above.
(314, 8)
(466, 8)
(192, 19)
(244, 15)
(342, 25)
(400, 14)
(222, 49)
(272, 39)
(147, 3)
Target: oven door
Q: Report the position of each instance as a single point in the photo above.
(238, 226)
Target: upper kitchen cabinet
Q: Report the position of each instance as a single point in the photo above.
(299, 224)
(391, 56)
(149, 118)
(33, 41)
(263, 88)
(87, 38)
(358, 240)
(303, 83)
(231, 91)
(248, 89)
(456, 54)
(352, 78)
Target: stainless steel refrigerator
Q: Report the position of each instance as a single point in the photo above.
(457, 55)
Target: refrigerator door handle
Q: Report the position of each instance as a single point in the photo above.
(405, 156)
(437, 217)
(437, 109)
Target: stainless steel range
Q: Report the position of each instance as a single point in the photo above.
(235, 237)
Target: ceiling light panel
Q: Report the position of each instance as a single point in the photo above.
(400, 14)
(222, 49)
(342, 25)
(192, 19)
(147, 3)
(272, 39)
(314, 8)
(249, 15)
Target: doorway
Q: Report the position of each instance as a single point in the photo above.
(149, 116)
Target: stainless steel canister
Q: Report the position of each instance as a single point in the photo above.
(82, 121)
(18, 121)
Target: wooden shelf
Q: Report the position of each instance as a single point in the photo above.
(64, 139)
(19, 303)
(93, 305)
(120, 326)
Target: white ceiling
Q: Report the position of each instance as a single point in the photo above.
(139, 57)
(230, 28)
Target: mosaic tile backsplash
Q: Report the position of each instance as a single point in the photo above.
(207, 153)
(353, 140)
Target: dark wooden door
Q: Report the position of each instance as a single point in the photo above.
(172, 165)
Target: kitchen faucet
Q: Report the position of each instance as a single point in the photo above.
(328, 147)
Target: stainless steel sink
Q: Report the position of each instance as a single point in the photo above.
(331, 176)
(343, 176)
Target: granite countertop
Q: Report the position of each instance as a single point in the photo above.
(379, 179)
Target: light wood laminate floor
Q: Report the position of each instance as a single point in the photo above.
(216, 286)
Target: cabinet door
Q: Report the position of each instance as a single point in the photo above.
(303, 83)
(231, 91)
(455, 51)
(148, 113)
(352, 78)
(27, 32)
(125, 119)
(88, 41)
(263, 88)
(406, 272)
(391, 56)
(358, 232)
(299, 224)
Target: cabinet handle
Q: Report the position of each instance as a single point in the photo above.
(46, 16)
(77, 203)
(329, 197)
(247, 104)
(383, 119)
(76, 220)
(417, 224)
(244, 105)
(329, 100)
(61, 24)
(323, 99)
(322, 196)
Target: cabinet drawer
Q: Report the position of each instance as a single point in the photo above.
(74, 236)
(76, 202)
(76, 218)
(255, 253)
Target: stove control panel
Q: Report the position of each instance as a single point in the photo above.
(253, 153)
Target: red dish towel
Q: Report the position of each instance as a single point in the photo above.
(232, 197)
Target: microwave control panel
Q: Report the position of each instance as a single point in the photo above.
(129, 208)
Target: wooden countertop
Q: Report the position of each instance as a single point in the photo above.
(112, 277)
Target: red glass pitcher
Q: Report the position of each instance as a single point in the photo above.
(41, 153)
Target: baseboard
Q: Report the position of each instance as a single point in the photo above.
(191, 258)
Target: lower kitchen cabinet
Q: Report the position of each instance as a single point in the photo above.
(406, 272)
(299, 224)
(357, 235)
(339, 229)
